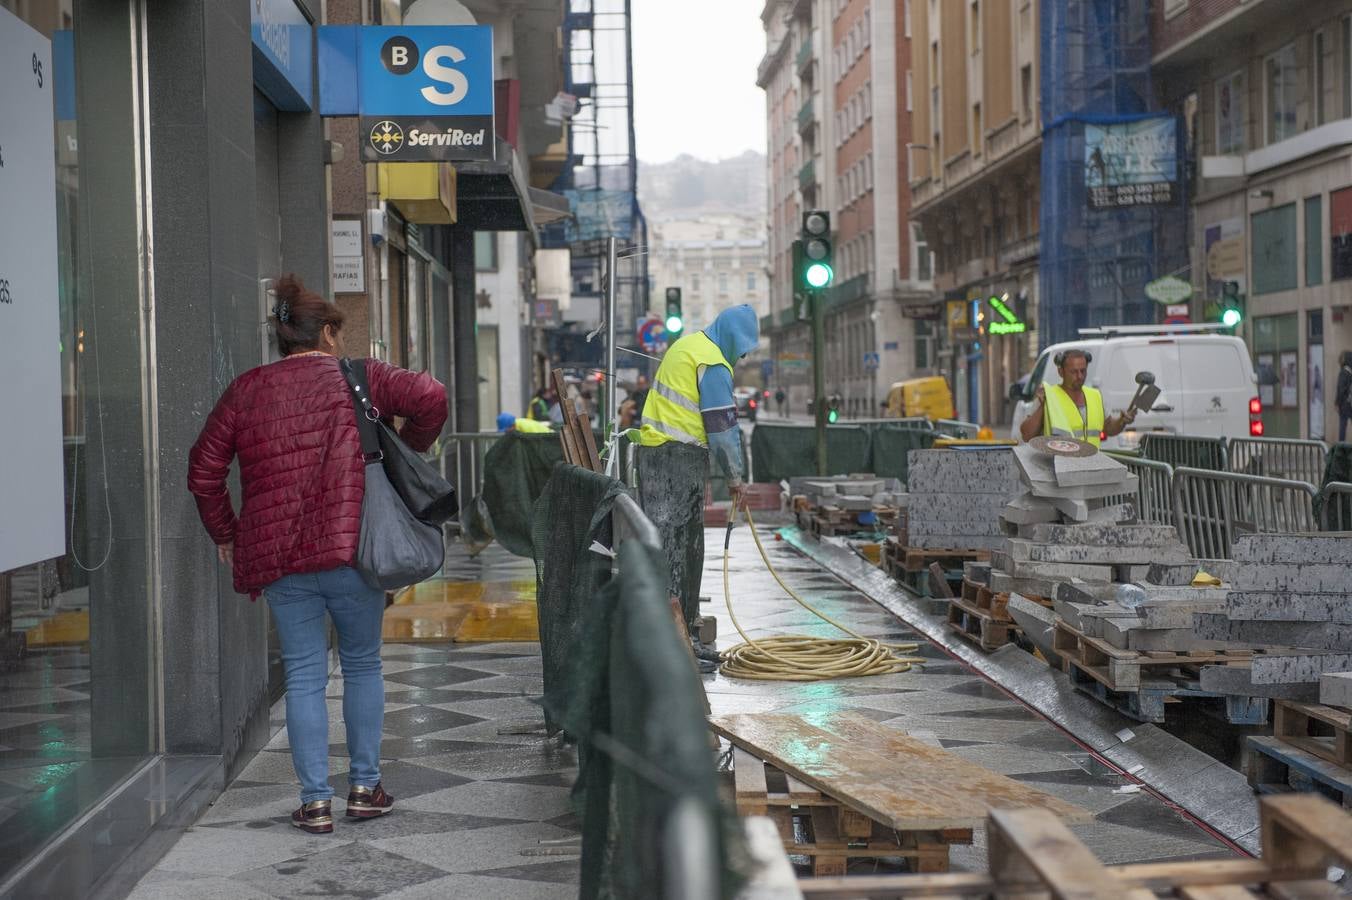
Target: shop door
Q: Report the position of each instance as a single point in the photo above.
(268, 230)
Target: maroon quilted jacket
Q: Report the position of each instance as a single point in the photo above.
(292, 425)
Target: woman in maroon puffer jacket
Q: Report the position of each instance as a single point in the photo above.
(292, 425)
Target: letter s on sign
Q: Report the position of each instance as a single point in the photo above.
(453, 78)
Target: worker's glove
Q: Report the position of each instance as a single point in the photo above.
(738, 492)
(1129, 414)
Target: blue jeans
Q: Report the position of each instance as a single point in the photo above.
(298, 603)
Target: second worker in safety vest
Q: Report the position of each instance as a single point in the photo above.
(1070, 409)
(690, 414)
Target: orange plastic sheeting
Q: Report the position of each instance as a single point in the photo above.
(464, 611)
(62, 630)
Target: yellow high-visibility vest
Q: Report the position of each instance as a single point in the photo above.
(671, 412)
(530, 426)
(1063, 416)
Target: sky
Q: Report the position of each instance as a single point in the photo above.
(695, 78)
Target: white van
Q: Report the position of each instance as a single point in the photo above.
(1206, 380)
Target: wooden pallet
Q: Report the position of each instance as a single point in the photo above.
(979, 626)
(827, 832)
(1149, 701)
(917, 559)
(1319, 730)
(1032, 854)
(1276, 767)
(1124, 670)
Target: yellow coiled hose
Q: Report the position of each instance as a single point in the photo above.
(796, 657)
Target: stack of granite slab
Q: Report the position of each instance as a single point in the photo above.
(1290, 595)
(956, 497)
(1067, 489)
(852, 493)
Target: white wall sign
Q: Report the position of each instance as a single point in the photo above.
(32, 492)
(349, 263)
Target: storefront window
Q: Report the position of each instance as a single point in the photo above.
(1340, 233)
(1274, 250)
(75, 657)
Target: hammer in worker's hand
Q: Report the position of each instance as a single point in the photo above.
(1146, 391)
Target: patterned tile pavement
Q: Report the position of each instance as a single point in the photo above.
(482, 797)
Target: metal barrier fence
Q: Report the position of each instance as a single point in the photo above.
(460, 456)
(1335, 506)
(1153, 499)
(1288, 458)
(1181, 450)
(1212, 508)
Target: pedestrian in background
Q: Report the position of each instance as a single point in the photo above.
(779, 399)
(1343, 395)
(292, 425)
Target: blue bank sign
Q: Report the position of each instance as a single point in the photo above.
(422, 92)
(283, 54)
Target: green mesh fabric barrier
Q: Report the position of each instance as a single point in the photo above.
(516, 469)
(572, 512)
(643, 745)
(1337, 467)
(779, 452)
(891, 447)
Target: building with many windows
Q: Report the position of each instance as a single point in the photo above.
(1268, 100)
(717, 260)
(838, 119)
(975, 182)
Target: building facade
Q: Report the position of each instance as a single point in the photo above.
(838, 121)
(187, 168)
(718, 260)
(976, 188)
(1269, 100)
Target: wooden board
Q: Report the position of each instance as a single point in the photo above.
(1321, 730)
(894, 779)
(1033, 855)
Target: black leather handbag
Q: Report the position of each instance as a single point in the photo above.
(428, 496)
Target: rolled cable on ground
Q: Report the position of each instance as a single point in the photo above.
(796, 657)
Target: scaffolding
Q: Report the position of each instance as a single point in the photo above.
(600, 176)
(1096, 262)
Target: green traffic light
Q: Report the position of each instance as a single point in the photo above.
(818, 275)
(674, 324)
(832, 415)
(1231, 317)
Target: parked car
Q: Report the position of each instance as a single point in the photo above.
(1206, 380)
(748, 399)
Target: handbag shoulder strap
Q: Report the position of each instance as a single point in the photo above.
(354, 370)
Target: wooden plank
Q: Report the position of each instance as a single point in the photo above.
(1303, 725)
(894, 779)
(824, 833)
(1216, 892)
(1301, 831)
(748, 778)
(801, 794)
(584, 425)
(1024, 842)
(939, 586)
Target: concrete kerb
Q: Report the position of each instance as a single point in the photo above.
(1227, 805)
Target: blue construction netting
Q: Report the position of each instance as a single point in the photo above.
(1096, 262)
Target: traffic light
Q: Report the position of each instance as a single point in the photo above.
(832, 409)
(1232, 305)
(815, 270)
(674, 320)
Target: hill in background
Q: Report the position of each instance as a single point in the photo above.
(688, 186)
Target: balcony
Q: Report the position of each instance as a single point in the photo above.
(1020, 251)
(925, 190)
(804, 58)
(771, 61)
(807, 118)
(807, 176)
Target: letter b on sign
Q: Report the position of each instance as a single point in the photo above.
(400, 55)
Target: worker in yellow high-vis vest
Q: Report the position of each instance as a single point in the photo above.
(1070, 409)
(689, 414)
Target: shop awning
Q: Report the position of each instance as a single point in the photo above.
(496, 195)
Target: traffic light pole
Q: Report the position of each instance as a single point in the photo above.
(816, 298)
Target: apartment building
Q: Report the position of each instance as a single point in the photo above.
(835, 75)
(975, 188)
(717, 260)
(1268, 104)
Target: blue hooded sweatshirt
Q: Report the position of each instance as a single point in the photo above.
(736, 332)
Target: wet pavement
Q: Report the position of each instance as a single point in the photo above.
(482, 805)
(941, 700)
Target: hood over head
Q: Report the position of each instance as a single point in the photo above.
(736, 331)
